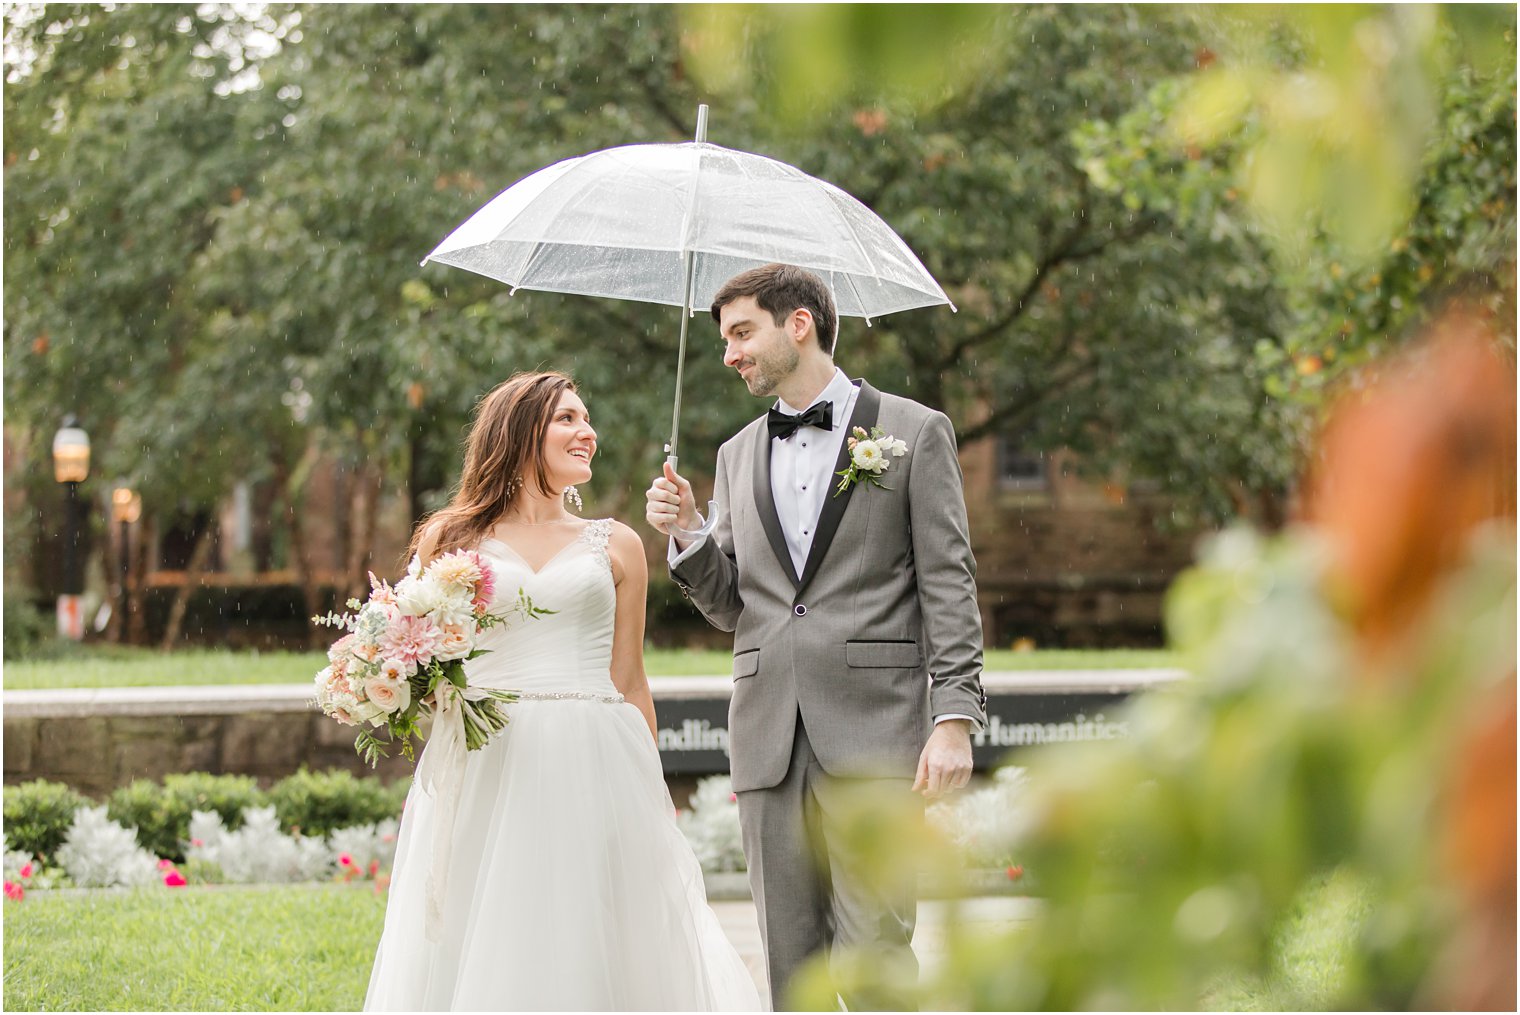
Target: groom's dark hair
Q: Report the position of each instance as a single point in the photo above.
(780, 289)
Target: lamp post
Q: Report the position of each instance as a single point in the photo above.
(71, 466)
(126, 508)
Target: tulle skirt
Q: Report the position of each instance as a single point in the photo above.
(569, 886)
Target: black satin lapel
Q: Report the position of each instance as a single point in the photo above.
(765, 502)
(867, 406)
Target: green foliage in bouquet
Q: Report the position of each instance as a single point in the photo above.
(38, 815)
(316, 803)
(161, 811)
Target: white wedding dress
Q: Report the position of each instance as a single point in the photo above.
(566, 884)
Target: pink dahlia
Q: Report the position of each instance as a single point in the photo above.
(485, 591)
(411, 640)
(174, 879)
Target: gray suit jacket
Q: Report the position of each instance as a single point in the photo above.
(879, 632)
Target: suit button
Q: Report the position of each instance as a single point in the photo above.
(800, 609)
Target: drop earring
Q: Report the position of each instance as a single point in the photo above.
(573, 498)
(513, 485)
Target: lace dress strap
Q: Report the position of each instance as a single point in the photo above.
(596, 534)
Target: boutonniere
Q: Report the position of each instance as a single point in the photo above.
(870, 456)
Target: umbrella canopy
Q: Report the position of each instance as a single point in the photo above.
(621, 223)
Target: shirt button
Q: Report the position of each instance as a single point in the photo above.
(804, 443)
(804, 486)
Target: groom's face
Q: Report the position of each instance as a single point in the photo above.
(756, 346)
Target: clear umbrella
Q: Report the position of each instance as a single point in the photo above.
(670, 223)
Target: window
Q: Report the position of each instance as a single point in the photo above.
(1018, 467)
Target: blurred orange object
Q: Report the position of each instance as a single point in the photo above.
(1411, 463)
(1408, 466)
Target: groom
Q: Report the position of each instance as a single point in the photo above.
(857, 639)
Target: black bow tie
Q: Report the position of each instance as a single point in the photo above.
(783, 425)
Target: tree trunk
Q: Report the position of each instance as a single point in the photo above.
(291, 490)
(193, 572)
(369, 483)
(134, 621)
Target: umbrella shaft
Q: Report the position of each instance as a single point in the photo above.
(675, 416)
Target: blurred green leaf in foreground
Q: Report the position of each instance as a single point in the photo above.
(1350, 732)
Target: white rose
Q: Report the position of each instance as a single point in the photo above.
(458, 641)
(388, 695)
(359, 710)
(419, 596)
(867, 455)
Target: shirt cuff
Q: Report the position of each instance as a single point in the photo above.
(976, 723)
(674, 555)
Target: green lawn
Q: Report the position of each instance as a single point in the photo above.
(120, 667)
(300, 948)
(309, 948)
(1311, 953)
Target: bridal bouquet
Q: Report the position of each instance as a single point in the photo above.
(404, 654)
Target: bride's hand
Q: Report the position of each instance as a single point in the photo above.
(670, 502)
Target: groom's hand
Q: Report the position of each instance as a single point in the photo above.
(945, 764)
(670, 503)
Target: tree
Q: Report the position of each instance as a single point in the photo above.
(124, 142)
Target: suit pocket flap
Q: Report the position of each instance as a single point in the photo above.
(747, 664)
(901, 655)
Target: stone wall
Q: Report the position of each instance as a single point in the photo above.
(97, 740)
(95, 744)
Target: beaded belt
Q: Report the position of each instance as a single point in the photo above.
(606, 699)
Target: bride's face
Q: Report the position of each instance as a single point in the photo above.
(569, 443)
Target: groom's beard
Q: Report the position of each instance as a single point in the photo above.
(771, 368)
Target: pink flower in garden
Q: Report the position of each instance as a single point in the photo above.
(374, 868)
(344, 860)
(14, 891)
(166, 865)
(26, 870)
(412, 640)
(733, 798)
(174, 879)
(197, 843)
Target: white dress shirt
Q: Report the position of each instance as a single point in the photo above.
(802, 476)
(802, 467)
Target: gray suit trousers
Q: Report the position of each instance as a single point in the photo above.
(800, 869)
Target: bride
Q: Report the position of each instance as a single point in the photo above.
(545, 870)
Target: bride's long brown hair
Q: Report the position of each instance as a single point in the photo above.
(502, 453)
